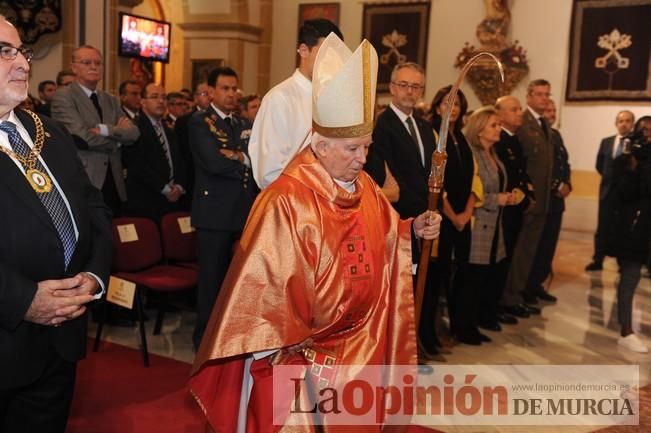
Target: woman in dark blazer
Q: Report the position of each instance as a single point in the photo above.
(486, 263)
(454, 241)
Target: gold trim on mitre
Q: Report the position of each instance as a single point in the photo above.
(361, 130)
(343, 89)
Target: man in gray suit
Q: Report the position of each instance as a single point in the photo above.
(535, 137)
(98, 124)
(610, 148)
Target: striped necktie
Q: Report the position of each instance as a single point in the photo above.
(160, 133)
(52, 200)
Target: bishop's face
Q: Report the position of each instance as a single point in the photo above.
(343, 158)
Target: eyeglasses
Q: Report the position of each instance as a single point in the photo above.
(204, 94)
(9, 52)
(87, 63)
(403, 85)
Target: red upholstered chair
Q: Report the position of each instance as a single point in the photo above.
(139, 261)
(178, 248)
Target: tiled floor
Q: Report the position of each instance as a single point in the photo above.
(580, 329)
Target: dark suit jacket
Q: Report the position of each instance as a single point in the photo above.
(148, 171)
(539, 152)
(393, 144)
(31, 251)
(45, 109)
(509, 151)
(561, 172)
(224, 189)
(604, 166)
(183, 139)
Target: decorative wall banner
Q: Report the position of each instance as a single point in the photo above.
(33, 18)
(398, 31)
(609, 51)
(311, 11)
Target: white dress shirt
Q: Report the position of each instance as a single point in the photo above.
(282, 128)
(403, 118)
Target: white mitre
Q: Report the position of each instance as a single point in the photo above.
(343, 89)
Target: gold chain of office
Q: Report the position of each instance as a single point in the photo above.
(38, 180)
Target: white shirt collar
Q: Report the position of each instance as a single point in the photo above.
(511, 134)
(534, 114)
(129, 112)
(153, 120)
(401, 115)
(302, 80)
(220, 112)
(86, 90)
(349, 186)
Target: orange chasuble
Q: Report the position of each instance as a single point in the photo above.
(314, 263)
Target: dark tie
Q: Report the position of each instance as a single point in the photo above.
(544, 127)
(53, 201)
(412, 132)
(93, 97)
(229, 122)
(161, 137)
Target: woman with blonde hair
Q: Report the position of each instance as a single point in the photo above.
(486, 262)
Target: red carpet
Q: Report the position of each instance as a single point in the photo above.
(115, 393)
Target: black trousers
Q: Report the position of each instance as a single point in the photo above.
(427, 325)
(487, 283)
(604, 220)
(43, 405)
(110, 193)
(214, 253)
(454, 249)
(542, 262)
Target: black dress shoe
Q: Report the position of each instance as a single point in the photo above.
(507, 319)
(483, 338)
(429, 352)
(594, 266)
(529, 298)
(545, 296)
(517, 311)
(468, 338)
(491, 326)
(531, 309)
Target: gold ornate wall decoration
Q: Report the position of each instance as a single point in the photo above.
(492, 35)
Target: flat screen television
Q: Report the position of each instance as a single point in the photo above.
(144, 38)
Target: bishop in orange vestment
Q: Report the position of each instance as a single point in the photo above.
(322, 277)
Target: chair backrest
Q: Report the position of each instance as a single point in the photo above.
(136, 244)
(179, 243)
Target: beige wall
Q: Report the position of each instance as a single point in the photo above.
(543, 30)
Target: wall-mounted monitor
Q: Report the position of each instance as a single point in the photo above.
(144, 38)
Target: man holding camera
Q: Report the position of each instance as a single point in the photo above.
(628, 235)
(610, 148)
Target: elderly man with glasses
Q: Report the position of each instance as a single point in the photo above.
(55, 255)
(402, 149)
(99, 123)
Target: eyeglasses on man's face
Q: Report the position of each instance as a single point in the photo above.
(88, 62)
(403, 85)
(204, 93)
(9, 52)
